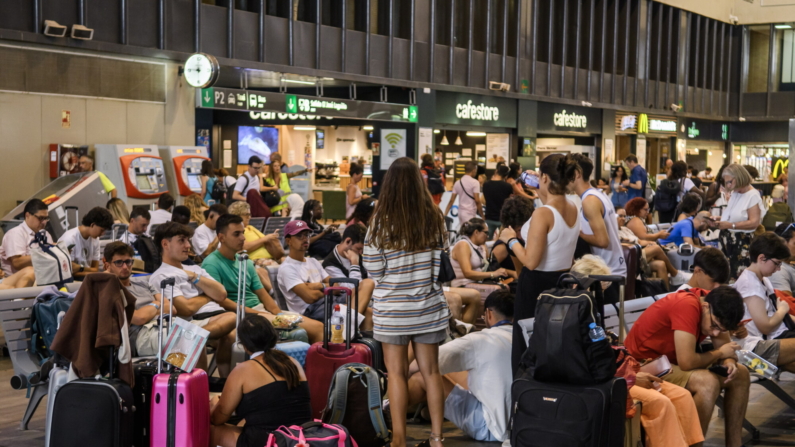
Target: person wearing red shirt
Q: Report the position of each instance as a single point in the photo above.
(675, 325)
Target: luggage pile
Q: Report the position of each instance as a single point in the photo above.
(566, 392)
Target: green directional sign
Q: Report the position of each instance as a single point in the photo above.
(413, 115)
(292, 104)
(208, 97)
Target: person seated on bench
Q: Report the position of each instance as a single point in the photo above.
(770, 333)
(205, 241)
(688, 231)
(322, 239)
(637, 212)
(655, 255)
(668, 412)
(262, 249)
(83, 241)
(118, 259)
(345, 261)
(163, 212)
(268, 391)
(196, 295)
(674, 326)
(302, 279)
(784, 279)
(139, 223)
(15, 249)
(223, 267)
(477, 375)
(23, 278)
(468, 258)
(689, 206)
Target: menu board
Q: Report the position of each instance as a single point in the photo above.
(498, 147)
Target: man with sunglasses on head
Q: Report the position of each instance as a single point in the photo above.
(15, 249)
(676, 325)
(118, 260)
(249, 180)
(770, 328)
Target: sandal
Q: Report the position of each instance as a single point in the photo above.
(427, 442)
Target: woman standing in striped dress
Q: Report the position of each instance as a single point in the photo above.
(402, 254)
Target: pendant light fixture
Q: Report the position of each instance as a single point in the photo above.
(444, 139)
(458, 141)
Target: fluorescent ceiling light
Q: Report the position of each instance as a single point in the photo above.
(783, 26)
(367, 127)
(476, 134)
(436, 131)
(296, 81)
(304, 128)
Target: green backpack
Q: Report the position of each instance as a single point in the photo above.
(777, 214)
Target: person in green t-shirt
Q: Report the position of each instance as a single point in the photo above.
(87, 165)
(224, 268)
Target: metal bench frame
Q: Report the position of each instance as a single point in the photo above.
(15, 310)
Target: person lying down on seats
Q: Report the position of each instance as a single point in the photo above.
(668, 412)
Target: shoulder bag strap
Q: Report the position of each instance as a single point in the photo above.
(464, 189)
(374, 401)
(338, 395)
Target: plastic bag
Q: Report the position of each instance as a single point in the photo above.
(757, 364)
(287, 321)
(185, 344)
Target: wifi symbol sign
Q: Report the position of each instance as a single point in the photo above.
(393, 138)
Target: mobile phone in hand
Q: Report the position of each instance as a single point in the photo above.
(719, 370)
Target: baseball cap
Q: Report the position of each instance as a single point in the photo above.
(295, 226)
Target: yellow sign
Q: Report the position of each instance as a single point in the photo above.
(137, 150)
(643, 123)
(781, 163)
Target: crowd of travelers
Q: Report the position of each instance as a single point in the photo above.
(451, 351)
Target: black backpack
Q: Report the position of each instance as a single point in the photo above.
(231, 191)
(354, 398)
(667, 196)
(149, 252)
(560, 348)
(435, 181)
(219, 190)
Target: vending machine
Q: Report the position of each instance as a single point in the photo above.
(183, 169)
(137, 171)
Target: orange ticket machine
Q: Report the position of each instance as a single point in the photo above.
(183, 169)
(136, 169)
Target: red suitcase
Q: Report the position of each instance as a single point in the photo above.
(323, 359)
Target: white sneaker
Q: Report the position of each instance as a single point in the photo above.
(680, 278)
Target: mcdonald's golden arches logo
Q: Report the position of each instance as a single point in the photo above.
(778, 168)
(643, 123)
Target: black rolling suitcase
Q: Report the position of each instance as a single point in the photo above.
(555, 414)
(145, 371)
(363, 337)
(93, 413)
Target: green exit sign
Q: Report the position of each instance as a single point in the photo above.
(208, 97)
(292, 104)
(410, 114)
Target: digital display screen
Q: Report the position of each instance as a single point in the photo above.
(142, 182)
(194, 182)
(368, 170)
(259, 141)
(320, 139)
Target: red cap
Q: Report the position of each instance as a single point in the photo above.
(294, 227)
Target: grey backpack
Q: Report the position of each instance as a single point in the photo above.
(355, 396)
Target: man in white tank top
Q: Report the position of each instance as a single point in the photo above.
(598, 225)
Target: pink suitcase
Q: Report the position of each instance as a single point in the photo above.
(180, 404)
(181, 410)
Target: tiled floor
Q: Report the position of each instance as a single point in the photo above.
(775, 421)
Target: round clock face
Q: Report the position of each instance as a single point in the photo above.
(201, 70)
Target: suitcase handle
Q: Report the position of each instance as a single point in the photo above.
(328, 293)
(355, 282)
(242, 271)
(163, 284)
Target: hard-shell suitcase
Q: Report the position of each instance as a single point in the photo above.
(324, 358)
(145, 371)
(295, 349)
(180, 404)
(545, 414)
(58, 378)
(93, 412)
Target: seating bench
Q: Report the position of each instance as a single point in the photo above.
(15, 310)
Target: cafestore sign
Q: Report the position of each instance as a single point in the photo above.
(564, 119)
(481, 112)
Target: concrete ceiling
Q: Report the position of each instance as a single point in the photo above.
(741, 12)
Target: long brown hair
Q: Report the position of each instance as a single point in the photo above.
(405, 217)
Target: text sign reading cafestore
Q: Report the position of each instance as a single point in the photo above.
(568, 118)
(460, 108)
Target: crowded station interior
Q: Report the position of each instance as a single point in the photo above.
(301, 223)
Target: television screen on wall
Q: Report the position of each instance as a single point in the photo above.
(259, 141)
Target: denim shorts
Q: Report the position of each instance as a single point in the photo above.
(464, 410)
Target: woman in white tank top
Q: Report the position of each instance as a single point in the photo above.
(552, 237)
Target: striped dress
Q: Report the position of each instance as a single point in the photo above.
(407, 299)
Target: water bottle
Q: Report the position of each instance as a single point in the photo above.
(337, 325)
(596, 332)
